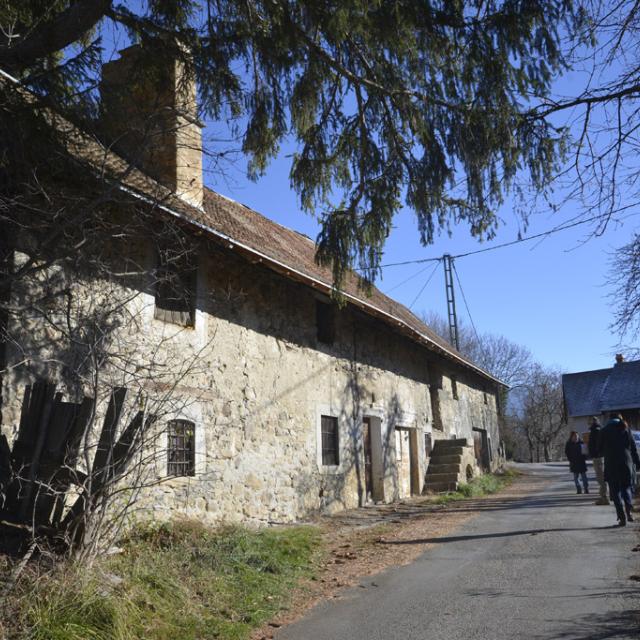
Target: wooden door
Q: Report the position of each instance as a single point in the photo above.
(481, 448)
(477, 447)
(368, 465)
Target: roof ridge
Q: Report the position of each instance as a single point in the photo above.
(581, 373)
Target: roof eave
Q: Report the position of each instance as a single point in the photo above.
(620, 407)
(293, 273)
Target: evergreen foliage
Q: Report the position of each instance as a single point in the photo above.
(416, 102)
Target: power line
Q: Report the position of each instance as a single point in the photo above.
(466, 304)
(424, 286)
(400, 264)
(411, 277)
(498, 246)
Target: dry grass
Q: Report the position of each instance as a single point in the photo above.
(173, 582)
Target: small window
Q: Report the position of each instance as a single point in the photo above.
(325, 322)
(330, 441)
(176, 287)
(486, 400)
(181, 451)
(454, 388)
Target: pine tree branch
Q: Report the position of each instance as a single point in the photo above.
(358, 80)
(546, 109)
(53, 35)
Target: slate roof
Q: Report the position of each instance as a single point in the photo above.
(594, 392)
(622, 390)
(239, 227)
(582, 391)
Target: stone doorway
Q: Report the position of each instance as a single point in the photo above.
(368, 458)
(373, 458)
(481, 449)
(407, 467)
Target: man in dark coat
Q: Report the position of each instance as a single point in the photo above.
(620, 455)
(595, 453)
(577, 461)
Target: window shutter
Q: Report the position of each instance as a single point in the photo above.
(175, 296)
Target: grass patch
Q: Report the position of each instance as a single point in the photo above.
(483, 485)
(179, 581)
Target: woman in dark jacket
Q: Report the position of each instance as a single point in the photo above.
(577, 461)
(620, 454)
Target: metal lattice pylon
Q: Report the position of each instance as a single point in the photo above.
(451, 300)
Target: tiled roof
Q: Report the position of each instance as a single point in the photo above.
(622, 390)
(594, 392)
(253, 233)
(298, 251)
(582, 391)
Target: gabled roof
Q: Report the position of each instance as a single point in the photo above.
(582, 391)
(594, 392)
(248, 232)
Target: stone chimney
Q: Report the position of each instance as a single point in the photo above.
(149, 116)
(619, 358)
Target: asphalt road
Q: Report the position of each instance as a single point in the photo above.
(547, 565)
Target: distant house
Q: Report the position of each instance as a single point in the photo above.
(291, 404)
(600, 392)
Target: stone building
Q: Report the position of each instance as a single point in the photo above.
(284, 403)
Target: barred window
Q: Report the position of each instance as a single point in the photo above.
(175, 294)
(454, 388)
(330, 441)
(181, 451)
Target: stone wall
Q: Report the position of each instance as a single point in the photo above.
(255, 380)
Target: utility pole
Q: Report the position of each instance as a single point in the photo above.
(451, 300)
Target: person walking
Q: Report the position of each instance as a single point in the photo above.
(595, 453)
(577, 461)
(620, 454)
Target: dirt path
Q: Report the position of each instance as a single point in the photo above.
(360, 542)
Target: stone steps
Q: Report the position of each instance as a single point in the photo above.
(440, 487)
(443, 477)
(445, 459)
(447, 444)
(446, 451)
(447, 467)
